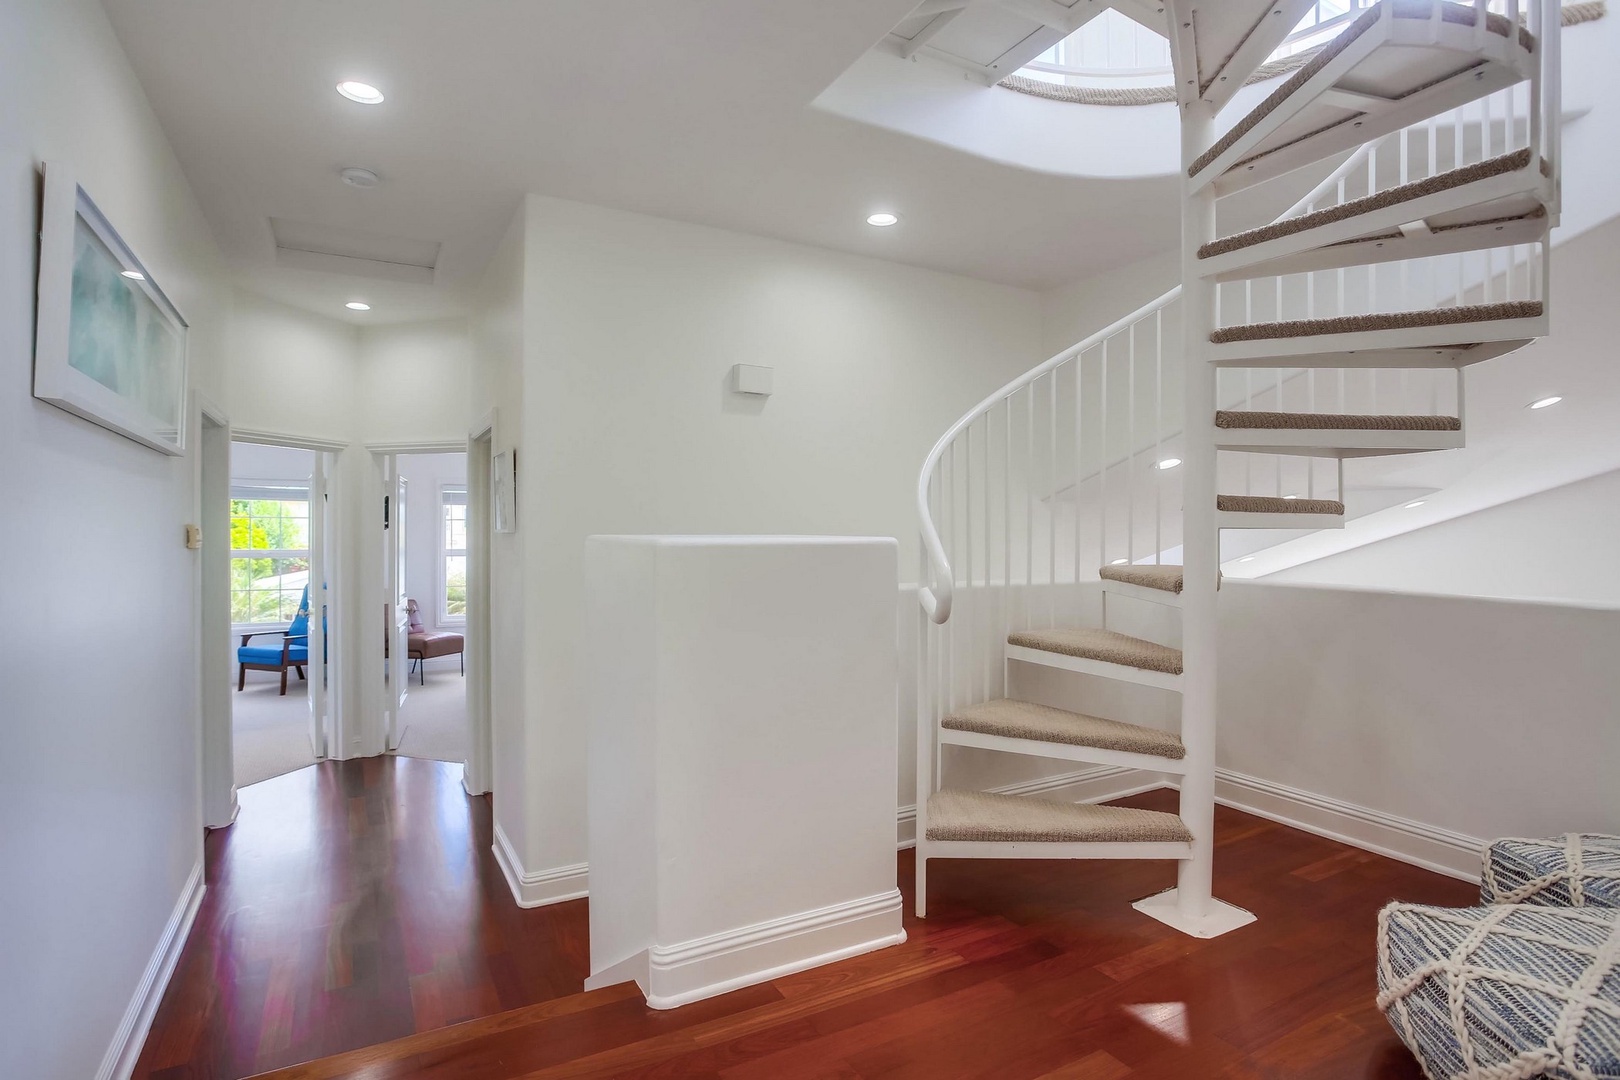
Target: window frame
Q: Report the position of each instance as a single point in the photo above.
(267, 491)
(449, 495)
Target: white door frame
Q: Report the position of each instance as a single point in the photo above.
(374, 543)
(211, 617)
(479, 775)
(338, 733)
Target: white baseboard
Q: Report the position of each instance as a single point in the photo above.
(1429, 846)
(538, 888)
(702, 968)
(1099, 783)
(119, 1061)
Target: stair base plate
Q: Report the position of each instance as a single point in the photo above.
(1221, 918)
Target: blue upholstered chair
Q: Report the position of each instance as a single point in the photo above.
(292, 652)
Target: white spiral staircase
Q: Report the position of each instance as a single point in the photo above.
(1052, 513)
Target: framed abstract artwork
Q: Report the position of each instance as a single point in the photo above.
(110, 347)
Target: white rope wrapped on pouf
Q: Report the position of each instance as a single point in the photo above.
(1510, 992)
(1574, 870)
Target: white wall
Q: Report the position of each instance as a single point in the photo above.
(631, 326)
(1555, 545)
(497, 380)
(252, 462)
(100, 826)
(1075, 311)
(428, 475)
(292, 372)
(1487, 717)
(414, 381)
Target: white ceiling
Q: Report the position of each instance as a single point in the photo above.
(696, 110)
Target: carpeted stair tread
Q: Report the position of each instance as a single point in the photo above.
(1417, 189)
(1234, 419)
(1268, 504)
(1164, 578)
(1012, 719)
(986, 816)
(1106, 646)
(1399, 320)
(1403, 9)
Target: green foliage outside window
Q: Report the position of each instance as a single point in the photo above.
(267, 588)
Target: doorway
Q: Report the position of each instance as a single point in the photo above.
(425, 557)
(282, 548)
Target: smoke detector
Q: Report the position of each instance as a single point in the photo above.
(360, 178)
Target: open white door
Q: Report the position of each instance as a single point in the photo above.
(320, 540)
(399, 665)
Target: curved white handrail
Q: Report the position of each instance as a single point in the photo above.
(934, 592)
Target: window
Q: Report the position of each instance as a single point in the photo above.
(269, 553)
(1111, 47)
(453, 555)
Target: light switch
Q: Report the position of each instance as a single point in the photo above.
(749, 379)
(193, 537)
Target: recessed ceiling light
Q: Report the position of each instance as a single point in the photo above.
(356, 305)
(1168, 463)
(364, 93)
(134, 275)
(1119, 562)
(361, 178)
(1247, 558)
(1414, 503)
(883, 221)
(1542, 403)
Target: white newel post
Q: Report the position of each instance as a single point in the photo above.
(742, 706)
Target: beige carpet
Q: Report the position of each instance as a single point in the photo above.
(987, 816)
(270, 733)
(435, 716)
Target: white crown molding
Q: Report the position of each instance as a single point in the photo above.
(675, 975)
(537, 888)
(282, 438)
(418, 446)
(119, 1061)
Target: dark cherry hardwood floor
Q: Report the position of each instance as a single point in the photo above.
(358, 902)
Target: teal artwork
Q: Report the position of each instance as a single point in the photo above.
(119, 337)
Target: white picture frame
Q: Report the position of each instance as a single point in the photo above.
(503, 489)
(110, 345)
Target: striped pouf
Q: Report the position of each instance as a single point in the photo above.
(1511, 992)
(1575, 870)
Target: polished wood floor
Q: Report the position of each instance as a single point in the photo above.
(353, 903)
(375, 910)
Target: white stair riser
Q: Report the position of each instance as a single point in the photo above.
(1394, 357)
(1233, 519)
(1065, 751)
(1524, 182)
(1162, 597)
(1120, 672)
(1371, 252)
(1324, 348)
(1334, 442)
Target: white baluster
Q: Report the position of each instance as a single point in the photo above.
(1158, 435)
(1102, 467)
(1130, 447)
(1079, 470)
(1051, 498)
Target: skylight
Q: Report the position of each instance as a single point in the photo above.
(1110, 46)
